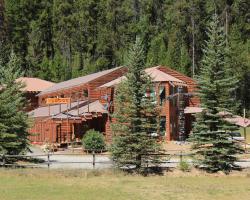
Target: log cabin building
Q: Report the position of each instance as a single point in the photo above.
(32, 87)
(91, 104)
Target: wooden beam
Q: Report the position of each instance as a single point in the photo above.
(167, 108)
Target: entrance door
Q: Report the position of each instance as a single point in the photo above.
(59, 133)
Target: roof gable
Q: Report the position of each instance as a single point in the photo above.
(34, 84)
(78, 81)
(176, 74)
(156, 75)
(159, 76)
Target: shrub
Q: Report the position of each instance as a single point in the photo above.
(184, 166)
(93, 140)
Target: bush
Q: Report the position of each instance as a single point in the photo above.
(93, 140)
(184, 166)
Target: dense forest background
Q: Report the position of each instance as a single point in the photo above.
(60, 39)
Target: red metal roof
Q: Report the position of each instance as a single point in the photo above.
(93, 107)
(227, 116)
(62, 116)
(154, 73)
(53, 109)
(114, 82)
(192, 110)
(78, 81)
(238, 120)
(159, 76)
(34, 84)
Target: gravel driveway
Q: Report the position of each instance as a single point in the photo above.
(72, 161)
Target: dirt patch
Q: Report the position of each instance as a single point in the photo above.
(174, 147)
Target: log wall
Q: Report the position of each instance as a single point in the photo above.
(191, 84)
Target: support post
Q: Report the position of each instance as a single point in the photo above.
(48, 161)
(88, 102)
(167, 106)
(4, 160)
(93, 163)
(245, 134)
(77, 106)
(49, 110)
(68, 134)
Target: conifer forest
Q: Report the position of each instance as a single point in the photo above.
(58, 40)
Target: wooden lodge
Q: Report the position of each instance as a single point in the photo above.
(32, 87)
(91, 103)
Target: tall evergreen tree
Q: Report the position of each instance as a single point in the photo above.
(13, 120)
(64, 27)
(3, 34)
(19, 14)
(135, 114)
(41, 36)
(214, 150)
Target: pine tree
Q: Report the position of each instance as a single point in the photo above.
(41, 36)
(135, 114)
(3, 34)
(64, 27)
(13, 120)
(214, 150)
(18, 15)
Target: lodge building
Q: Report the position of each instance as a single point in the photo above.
(32, 87)
(92, 103)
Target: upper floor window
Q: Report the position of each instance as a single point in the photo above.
(85, 93)
(162, 94)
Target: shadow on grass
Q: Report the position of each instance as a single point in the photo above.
(22, 162)
(147, 171)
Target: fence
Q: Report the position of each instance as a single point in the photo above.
(90, 161)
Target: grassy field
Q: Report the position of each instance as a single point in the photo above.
(34, 184)
(247, 133)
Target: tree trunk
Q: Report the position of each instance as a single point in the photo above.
(193, 45)
(226, 23)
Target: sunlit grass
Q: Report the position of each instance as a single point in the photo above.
(247, 133)
(37, 184)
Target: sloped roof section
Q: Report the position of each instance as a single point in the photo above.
(65, 116)
(93, 107)
(53, 109)
(34, 84)
(176, 74)
(192, 110)
(159, 76)
(78, 81)
(238, 120)
(227, 116)
(114, 82)
(154, 73)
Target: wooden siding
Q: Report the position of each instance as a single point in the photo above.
(76, 93)
(63, 131)
(46, 129)
(191, 84)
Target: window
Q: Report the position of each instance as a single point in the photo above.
(162, 94)
(171, 90)
(85, 93)
(153, 95)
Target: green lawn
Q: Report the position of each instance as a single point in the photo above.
(247, 133)
(34, 184)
